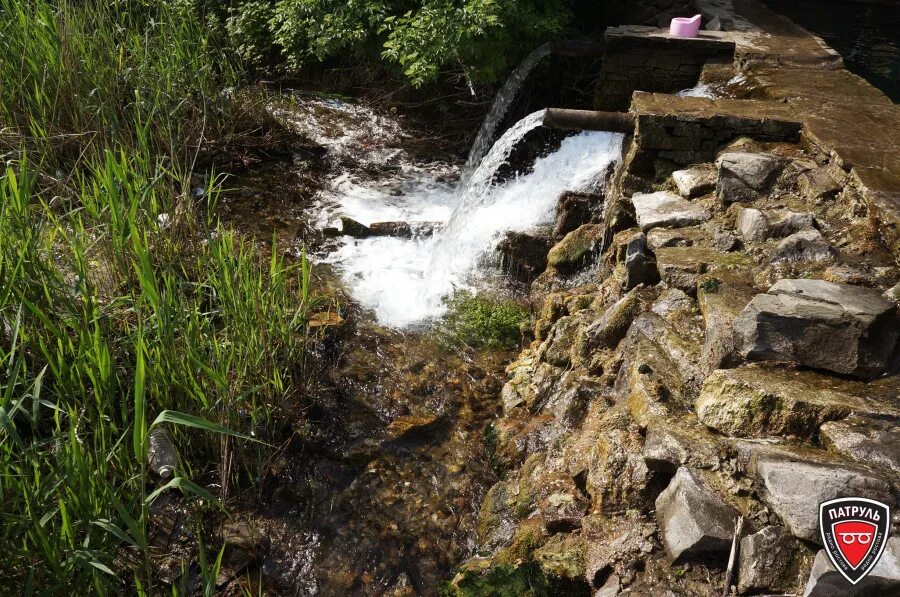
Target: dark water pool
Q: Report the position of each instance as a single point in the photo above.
(866, 34)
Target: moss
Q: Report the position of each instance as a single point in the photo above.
(504, 580)
(480, 321)
(575, 248)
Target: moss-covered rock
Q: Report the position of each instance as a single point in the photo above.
(576, 249)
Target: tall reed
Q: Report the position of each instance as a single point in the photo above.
(124, 304)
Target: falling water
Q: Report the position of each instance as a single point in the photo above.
(502, 102)
(484, 211)
(404, 280)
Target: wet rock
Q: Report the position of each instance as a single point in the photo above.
(351, 227)
(720, 304)
(672, 443)
(754, 400)
(557, 348)
(746, 176)
(804, 246)
(883, 580)
(576, 249)
(523, 256)
(664, 209)
(695, 181)
(407, 425)
(612, 326)
(640, 265)
(794, 482)
(516, 391)
(842, 328)
(818, 184)
(497, 520)
(395, 229)
(575, 209)
(694, 522)
(752, 225)
(791, 222)
(872, 441)
(770, 561)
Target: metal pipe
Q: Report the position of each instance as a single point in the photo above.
(577, 47)
(589, 120)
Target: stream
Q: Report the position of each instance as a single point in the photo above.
(380, 493)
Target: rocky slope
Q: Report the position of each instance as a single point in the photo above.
(729, 354)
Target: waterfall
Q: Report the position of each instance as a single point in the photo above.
(484, 211)
(403, 280)
(502, 102)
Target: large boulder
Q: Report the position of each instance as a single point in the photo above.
(793, 482)
(746, 176)
(664, 209)
(770, 561)
(695, 181)
(760, 401)
(838, 327)
(694, 522)
(882, 581)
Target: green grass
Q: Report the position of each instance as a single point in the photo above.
(124, 304)
(481, 321)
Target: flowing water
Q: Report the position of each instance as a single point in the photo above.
(502, 101)
(404, 280)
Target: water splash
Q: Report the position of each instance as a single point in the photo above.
(404, 280)
(485, 211)
(502, 102)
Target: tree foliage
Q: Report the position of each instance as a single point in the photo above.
(421, 38)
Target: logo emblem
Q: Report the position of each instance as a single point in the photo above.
(854, 531)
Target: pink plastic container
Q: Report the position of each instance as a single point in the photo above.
(685, 26)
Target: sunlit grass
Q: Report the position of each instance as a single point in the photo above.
(124, 304)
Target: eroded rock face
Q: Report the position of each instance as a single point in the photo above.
(883, 580)
(838, 327)
(746, 176)
(793, 483)
(694, 522)
(667, 210)
(770, 561)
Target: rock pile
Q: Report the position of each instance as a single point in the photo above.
(732, 352)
